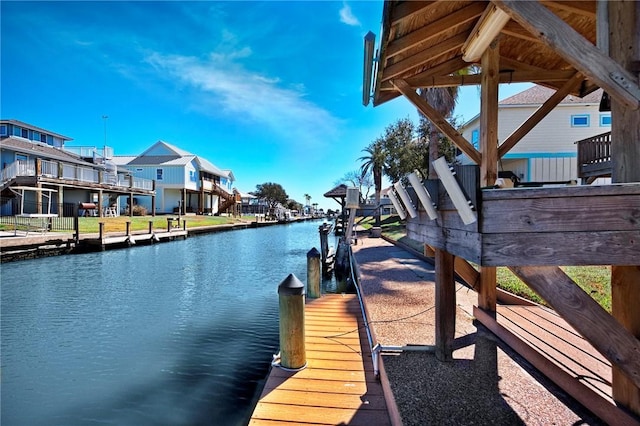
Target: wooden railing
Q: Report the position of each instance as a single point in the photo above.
(68, 171)
(594, 156)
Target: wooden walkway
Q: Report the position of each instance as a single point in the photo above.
(338, 385)
(551, 345)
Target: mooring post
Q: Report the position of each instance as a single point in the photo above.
(101, 224)
(324, 242)
(128, 224)
(151, 227)
(291, 302)
(313, 273)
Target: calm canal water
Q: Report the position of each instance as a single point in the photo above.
(180, 333)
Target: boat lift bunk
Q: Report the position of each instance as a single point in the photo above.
(32, 222)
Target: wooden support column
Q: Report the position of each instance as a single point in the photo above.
(60, 200)
(624, 47)
(153, 200)
(100, 212)
(445, 305)
(201, 198)
(489, 149)
(130, 204)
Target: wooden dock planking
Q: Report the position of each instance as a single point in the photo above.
(338, 386)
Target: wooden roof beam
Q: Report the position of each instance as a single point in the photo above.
(445, 68)
(514, 29)
(431, 31)
(412, 62)
(486, 30)
(575, 49)
(438, 120)
(409, 9)
(504, 78)
(539, 114)
(584, 8)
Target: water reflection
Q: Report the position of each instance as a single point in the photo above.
(177, 333)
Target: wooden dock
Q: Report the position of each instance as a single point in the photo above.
(551, 345)
(338, 386)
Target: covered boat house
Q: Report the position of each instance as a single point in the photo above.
(573, 47)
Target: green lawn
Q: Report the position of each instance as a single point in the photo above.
(594, 280)
(140, 223)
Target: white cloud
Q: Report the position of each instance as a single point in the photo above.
(224, 86)
(347, 17)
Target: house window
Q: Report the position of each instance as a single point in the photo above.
(192, 175)
(43, 138)
(21, 157)
(25, 133)
(605, 120)
(158, 174)
(3, 129)
(581, 120)
(36, 136)
(475, 138)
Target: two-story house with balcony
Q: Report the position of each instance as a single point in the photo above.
(185, 183)
(38, 172)
(548, 153)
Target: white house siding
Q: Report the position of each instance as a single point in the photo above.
(554, 134)
(549, 169)
(548, 152)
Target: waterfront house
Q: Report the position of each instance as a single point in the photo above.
(185, 182)
(548, 153)
(573, 48)
(39, 169)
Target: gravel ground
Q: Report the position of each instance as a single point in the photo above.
(486, 383)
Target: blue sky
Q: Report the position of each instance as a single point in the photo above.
(270, 90)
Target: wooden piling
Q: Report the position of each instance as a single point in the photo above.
(291, 303)
(313, 274)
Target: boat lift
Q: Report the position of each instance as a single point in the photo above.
(32, 221)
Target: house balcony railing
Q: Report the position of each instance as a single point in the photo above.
(73, 172)
(594, 156)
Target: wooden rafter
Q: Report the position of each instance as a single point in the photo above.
(575, 49)
(438, 120)
(585, 315)
(505, 77)
(539, 114)
(444, 68)
(431, 31)
(423, 57)
(584, 8)
(514, 29)
(408, 9)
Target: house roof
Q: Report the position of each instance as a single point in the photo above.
(166, 154)
(122, 160)
(39, 149)
(423, 44)
(36, 128)
(537, 95)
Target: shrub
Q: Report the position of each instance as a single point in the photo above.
(137, 210)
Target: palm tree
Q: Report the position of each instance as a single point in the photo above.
(307, 198)
(444, 101)
(374, 161)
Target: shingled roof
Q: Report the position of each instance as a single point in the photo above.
(537, 95)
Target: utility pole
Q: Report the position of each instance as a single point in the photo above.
(104, 147)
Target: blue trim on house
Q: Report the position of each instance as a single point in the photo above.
(576, 117)
(522, 155)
